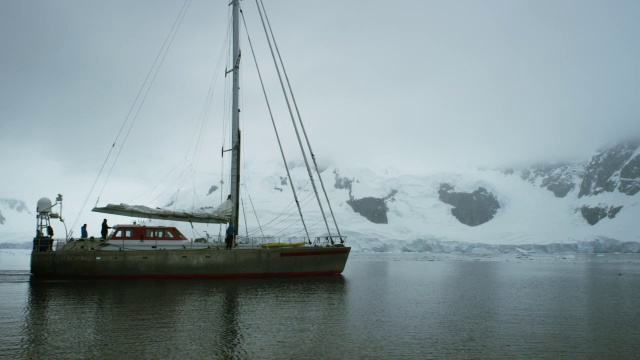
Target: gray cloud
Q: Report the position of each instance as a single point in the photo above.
(418, 85)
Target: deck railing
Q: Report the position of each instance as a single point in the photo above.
(44, 244)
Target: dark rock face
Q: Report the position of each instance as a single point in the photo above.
(557, 178)
(471, 209)
(630, 177)
(593, 215)
(374, 209)
(597, 213)
(604, 170)
(613, 211)
(212, 189)
(611, 169)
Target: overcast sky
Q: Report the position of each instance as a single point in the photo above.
(417, 85)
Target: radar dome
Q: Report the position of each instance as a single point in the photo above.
(44, 205)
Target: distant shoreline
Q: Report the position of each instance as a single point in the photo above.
(16, 245)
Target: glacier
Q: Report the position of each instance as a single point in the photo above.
(540, 208)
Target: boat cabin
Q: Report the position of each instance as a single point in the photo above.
(143, 232)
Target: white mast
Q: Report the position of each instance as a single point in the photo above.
(235, 117)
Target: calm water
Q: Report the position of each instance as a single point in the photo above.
(384, 306)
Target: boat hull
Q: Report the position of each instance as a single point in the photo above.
(191, 263)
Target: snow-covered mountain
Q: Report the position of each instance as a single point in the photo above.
(14, 216)
(585, 206)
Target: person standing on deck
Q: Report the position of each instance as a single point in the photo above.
(231, 231)
(105, 229)
(83, 232)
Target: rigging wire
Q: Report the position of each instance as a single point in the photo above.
(176, 24)
(270, 224)
(244, 213)
(141, 196)
(286, 97)
(305, 201)
(286, 209)
(256, 214)
(273, 122)
(204, 115)
(199, 134)
(313, 156)
(299, 231)
(146, 93)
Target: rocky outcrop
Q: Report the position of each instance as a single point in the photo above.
(560, 179)
(613, 168)
(372, 208)
(604, 171)
(597, 213)
(630, 177)
(471, 209)
(212, 189)
(616, 168)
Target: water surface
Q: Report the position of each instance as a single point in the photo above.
(383, 306)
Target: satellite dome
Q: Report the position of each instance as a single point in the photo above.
(44, 205)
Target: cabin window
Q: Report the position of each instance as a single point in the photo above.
(158, 233)
(124, 233)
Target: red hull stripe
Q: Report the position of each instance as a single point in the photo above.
(194, 276)
(313, 253)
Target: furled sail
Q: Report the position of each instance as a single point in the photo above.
(221, 215)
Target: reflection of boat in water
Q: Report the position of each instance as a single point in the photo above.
(201, 318)
(138, 251)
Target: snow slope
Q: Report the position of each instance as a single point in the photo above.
(529, 214)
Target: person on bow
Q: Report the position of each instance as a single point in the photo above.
(105, 229)
(83, 232)
(231, 232)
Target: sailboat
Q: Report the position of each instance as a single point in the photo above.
(162, 251)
